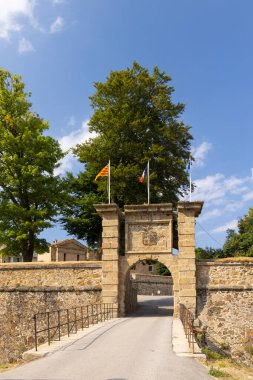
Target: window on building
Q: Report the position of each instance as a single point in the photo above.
(78, 257)
(64, 256)
(150, 268)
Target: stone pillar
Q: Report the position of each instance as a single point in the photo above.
(187, 212)
(111, 217)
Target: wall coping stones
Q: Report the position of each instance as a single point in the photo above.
(193, 206)
(211, 263)
(162, 207)
(226, 288)
(52, 265)
(106, 208)
(50, 289)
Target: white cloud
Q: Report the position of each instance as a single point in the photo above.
(25, 46)
(223, 196)
(248, 196)
(15, 15)
(72, 121)
(10, 12)
(230, 225)
(209, 188)
(233, 206)
(76, 137)
(57, 2)
(215, 188)
(211, 214)
(70, 141)
(199, 233)
(200, 152)
(57, 25)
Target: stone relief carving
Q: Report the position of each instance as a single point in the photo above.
(150, 237)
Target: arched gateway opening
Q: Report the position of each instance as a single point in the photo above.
(149, 285)
(149, 232)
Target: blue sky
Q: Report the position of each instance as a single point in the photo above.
(61, 47)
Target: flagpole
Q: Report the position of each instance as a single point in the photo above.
(190, 175)
(109, 182)
(148, 185)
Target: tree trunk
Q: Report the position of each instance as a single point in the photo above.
(28, 248)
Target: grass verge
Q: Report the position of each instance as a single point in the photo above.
(227, 368)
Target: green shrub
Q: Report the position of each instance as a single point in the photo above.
(249, 349)
(216, 372)
(224, 346)
(211, 355)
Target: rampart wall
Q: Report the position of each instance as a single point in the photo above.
(225, 304)
(153, 284)
(26, 289)
(224, 299)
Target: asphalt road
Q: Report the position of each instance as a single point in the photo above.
(134, 348)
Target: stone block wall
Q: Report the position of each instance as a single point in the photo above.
(26, 289)
(153, 285)
(130, 295)
(225, 304)
(187, 213)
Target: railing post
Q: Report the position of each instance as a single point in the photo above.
(97, 312)
(48, 328)
(75, 321)
(68, 321)
(88, 315)
(59, 324)
(82, 316)
(35, 332)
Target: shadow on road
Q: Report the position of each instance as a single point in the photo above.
(154, 306)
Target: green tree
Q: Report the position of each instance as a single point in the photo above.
(241, 243)
(209, 253)
(79, 215)
(162, 270)
(135, 120)
(30, 193)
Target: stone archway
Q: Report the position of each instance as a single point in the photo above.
(127, 262)
(140, 281)
(146, 232)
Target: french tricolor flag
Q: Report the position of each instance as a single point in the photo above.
(144, 174)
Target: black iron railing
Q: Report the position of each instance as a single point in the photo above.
(187, 320)
(51, 325)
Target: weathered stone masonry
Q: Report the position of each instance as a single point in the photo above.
(225, 304)
(148, 235)
(221, 293)
(26, 289)
(153, 285)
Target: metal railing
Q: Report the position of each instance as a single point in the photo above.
(187, 320)
(51, 325)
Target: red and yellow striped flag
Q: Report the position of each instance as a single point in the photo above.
(103, 173)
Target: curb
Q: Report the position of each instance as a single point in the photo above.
(45, 349)
(180, 344)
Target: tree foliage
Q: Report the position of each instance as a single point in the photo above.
(209, 253)
(241, 243)
(135, 120)
(237, 243)
(162, 270)
(29, 191)
(79, 215)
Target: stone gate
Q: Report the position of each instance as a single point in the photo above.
(151, 232)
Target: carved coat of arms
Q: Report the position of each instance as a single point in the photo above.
(149, 237)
